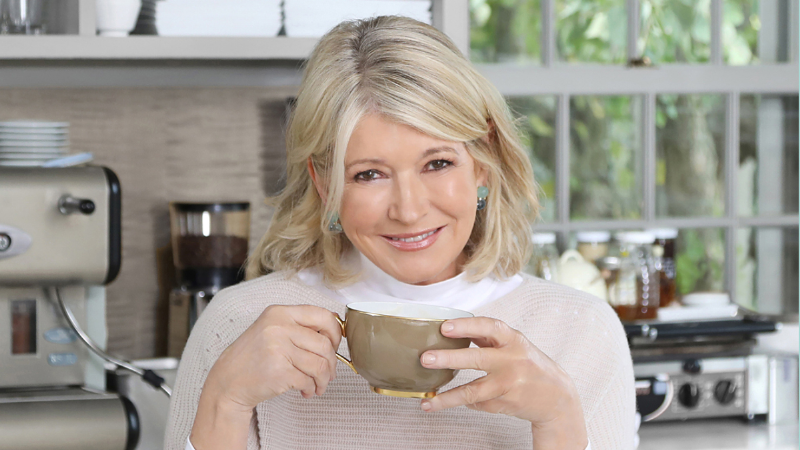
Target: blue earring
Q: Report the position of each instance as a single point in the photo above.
(483, 192)
(334, 226)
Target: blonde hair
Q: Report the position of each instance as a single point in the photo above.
(412, 74)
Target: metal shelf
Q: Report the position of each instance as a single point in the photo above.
(77, 47)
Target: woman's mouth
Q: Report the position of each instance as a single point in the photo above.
(410, 242)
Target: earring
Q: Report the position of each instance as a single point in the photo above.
(483, 192)
(334, 226)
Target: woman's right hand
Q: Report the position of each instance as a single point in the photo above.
(286, 348)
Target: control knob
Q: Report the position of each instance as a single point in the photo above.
(689, 395)
(68, 204)
(725, 391)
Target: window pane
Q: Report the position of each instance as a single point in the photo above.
(605, 157)
(505, 31)
(538, 135)
(591, 30)
(675, 31)
(768, 162)
(690, 144)
(700, 260)
(755, 31)
(767, 269)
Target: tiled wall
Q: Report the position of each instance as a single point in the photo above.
(165, 144)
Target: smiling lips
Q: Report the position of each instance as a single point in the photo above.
(411, 242)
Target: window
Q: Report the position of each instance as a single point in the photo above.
(653, 113)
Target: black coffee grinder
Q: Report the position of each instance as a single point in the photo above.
(209, 247)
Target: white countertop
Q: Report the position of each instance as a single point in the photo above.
(717, 434)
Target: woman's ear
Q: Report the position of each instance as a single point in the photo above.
(317, 181)
(481, 175)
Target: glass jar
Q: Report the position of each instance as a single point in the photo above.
(209, 242)
(609, 270)
(637, 288)
(664, 253)
(544, 261)
(593, 245)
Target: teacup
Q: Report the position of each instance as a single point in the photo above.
(386, 341)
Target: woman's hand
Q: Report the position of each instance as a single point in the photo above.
(286, 348)
(520, 381)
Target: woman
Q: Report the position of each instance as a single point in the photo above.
(406, 182)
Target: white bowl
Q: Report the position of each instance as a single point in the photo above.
(32, 137)
(39, 151)
(33, 124)
(33, 143)
(117, 17)
(29, 163)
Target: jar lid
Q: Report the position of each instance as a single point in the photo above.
(636, 237)
(608, 262)
(664, 233)
(210, 207)
(543, 238)
(593, 236)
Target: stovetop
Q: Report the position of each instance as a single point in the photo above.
(661, 341)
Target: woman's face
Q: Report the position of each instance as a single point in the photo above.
(409, 200)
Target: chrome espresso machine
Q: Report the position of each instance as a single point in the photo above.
(60, 245)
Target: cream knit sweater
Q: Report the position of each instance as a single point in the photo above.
(578, 331)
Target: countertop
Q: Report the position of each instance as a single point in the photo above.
(717, 434)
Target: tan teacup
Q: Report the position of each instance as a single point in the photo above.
(386, 341)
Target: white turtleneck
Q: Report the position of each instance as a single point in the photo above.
(378, 286)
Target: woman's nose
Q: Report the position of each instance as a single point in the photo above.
(410, 201)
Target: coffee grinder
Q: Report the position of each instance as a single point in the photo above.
(209, 246)
(60, 245)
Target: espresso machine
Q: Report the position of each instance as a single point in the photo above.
(60, 244)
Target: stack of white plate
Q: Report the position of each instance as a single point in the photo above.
(31, 144)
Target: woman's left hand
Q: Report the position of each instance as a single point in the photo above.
(520, 381)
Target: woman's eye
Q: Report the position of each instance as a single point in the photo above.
(367, 175)
(439, 164)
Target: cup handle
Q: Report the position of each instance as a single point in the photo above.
(338, 356)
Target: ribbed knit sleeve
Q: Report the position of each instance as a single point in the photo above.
(613, 412)
(611, 419)
(219, 326)
(584, 336)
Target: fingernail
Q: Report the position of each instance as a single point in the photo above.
(428, 358)
(447, 326)
(426, 405)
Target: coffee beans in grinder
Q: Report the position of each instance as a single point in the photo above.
(209, 243)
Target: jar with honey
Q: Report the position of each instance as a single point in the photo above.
(637, 287)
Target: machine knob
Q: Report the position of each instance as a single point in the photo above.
(689, 395)
(692, 366)
(725, 391)
(5, 242)
(68, 204)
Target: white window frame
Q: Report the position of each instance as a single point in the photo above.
(553, 78)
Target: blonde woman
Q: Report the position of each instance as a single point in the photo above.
(406, 182)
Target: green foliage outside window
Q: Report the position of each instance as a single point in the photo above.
(605, 139)
(675, 31)
(505, 31)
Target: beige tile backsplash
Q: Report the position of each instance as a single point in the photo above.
(165, 144)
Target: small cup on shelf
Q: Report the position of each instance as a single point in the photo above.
(117, 17)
